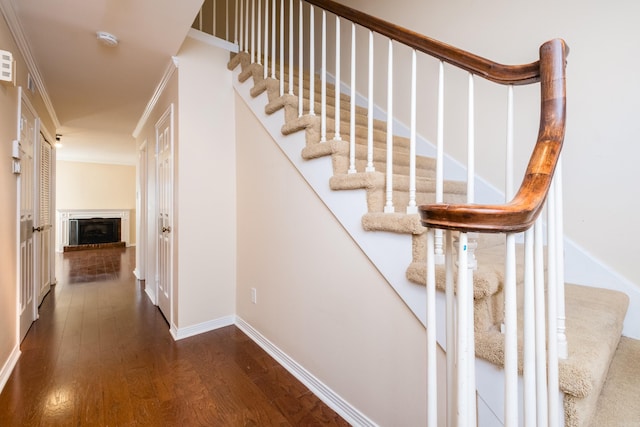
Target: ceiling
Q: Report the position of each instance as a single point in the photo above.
(99, 93)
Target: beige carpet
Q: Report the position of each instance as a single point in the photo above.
(619, 403)
(594, 316)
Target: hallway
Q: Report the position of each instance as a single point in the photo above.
(101, 355)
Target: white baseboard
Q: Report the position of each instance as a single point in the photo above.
(189, 331)
(151, 293)
(7, 369)
(324, 393)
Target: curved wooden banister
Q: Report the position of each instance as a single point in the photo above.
(519, 214)
(498, 73)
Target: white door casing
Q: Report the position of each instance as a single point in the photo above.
(27, 300)
(141, 214)
(164, 203)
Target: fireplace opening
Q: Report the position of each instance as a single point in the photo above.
(94, 231)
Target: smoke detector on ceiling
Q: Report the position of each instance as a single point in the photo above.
(107, 39)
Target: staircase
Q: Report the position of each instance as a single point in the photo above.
(594, 317)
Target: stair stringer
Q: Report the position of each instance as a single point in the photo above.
(348, 207)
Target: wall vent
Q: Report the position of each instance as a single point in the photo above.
(7, 67)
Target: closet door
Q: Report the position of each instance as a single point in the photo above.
(164, 191)
(44, 219)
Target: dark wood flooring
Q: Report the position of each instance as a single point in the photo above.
(101, 355)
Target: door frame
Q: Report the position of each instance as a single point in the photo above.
(142, 213)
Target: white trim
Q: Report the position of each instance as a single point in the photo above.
(212, 40)
(317, 387)
(7, 369)
(8, 9)
(168, 73)
(151, 293)
(200, 328)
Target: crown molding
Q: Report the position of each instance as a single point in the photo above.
(168, 72)
(11, 17)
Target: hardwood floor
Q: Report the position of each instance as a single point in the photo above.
(101, 355)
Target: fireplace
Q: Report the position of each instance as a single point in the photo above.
(69, 223)
(94, 231)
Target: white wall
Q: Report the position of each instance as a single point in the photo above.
(319, 298)
(600, 152)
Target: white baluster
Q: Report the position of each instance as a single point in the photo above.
(266, 40)
(200, 20)
(432, 388)
(472, 240)
(462, 347)
(227, 23)
(388, 207)
(323, 79)
(253, 31)
(337, 82)
(509, 188)
(281, 48)
(529, 370)
(300, 59)
(243, 45)
(312, 62)
(215, 18)
(370, 167)
(412, 208)
(563, 347)
(471, 142)
(246, 28)
(236, 20)
(290, 47)
(352, 120)
(552, 311)
(273, 39)
(440, 158)
(541, 333)
(259, 31)
(510, 336)
(450, 330)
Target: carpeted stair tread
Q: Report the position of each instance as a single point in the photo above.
(594, 319)
(619, 402)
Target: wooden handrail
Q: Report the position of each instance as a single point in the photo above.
(519, 214)
(498, 73)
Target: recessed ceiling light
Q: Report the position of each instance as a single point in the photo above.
(107, 39)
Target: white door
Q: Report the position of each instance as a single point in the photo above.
(164, 185)
(27, 303)
(43, 219)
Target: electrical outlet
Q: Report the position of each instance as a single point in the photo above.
(254, 296)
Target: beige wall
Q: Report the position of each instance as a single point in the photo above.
(97, 186)
(8, 220)
(205, 186)
(319, 299)
(204, 214)
(601, 149)
(9, 101)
